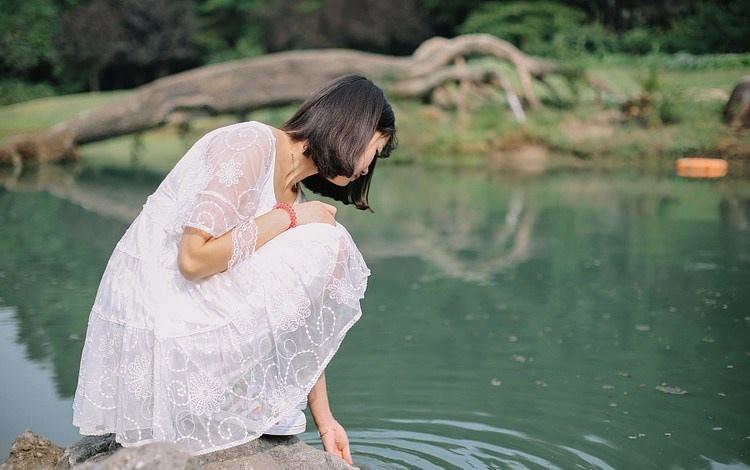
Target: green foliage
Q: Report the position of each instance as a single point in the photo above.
(667, 109)
(664, 102)
(136, 151)
(311, 6)
(531, 26)
(583, 39)
(27, 35)
(686, 61)
(640, 41)
(681, 61)
(446, 15)
(556, 29)
(222, 37)
(15, 91)
(712, 26)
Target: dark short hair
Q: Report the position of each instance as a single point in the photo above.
(338, 120)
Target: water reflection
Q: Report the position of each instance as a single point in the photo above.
(509, 323)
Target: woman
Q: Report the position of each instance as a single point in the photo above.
(229, 293)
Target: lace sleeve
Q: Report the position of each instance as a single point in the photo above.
(238, 159)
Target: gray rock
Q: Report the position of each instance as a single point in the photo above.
(89, 448)
(272, 452)
(31, 451)
(156, 455)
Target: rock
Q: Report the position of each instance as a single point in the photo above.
(90, 448)
(155, 455)
(271, 453)
(736, 111)
(31, 451)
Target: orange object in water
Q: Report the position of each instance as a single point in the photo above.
(693, 167)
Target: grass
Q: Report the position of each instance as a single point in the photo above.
(44, 112)
(569, 124)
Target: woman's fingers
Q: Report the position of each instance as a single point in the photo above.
(347, 455)
(333, 447)
(331, 209)
(337, 443)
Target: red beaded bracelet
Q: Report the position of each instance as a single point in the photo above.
(288, 208)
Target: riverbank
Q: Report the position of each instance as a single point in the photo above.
(577, 126)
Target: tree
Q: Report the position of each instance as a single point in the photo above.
(530, 26)
(386, 26)
(156, 33)
(27, 38)
(90, 37)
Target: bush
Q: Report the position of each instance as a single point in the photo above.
(530, 26)
(712, 27)
(590, 39)
(15, 91)
(640, 41)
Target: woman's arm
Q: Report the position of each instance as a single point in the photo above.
(201, 255)
(317, 400)
(332, 434)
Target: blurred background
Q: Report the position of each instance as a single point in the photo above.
(560, 246)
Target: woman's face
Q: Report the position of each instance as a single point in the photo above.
(376, 145)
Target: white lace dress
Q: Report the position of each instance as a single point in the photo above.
(213, 363)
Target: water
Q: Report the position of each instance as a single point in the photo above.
(571, 320)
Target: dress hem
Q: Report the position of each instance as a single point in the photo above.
(266, 425)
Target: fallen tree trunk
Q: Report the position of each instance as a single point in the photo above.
(279, 79)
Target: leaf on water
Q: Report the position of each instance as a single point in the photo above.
(519, 358)
(671, 390)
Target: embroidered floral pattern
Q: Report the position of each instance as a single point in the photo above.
(138, 376)
(244, 238)
(206, 394)
(290, 310)
(106, 345)
(341, 291)
(229, 173)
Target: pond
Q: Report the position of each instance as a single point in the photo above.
(566, 320)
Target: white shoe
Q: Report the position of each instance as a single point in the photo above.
(293, 423)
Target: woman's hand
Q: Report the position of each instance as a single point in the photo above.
(315, 211)
(335, 440)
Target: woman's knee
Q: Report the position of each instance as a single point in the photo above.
(319, 231)
(312, 239)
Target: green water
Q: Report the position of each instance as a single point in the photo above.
(509, 322)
